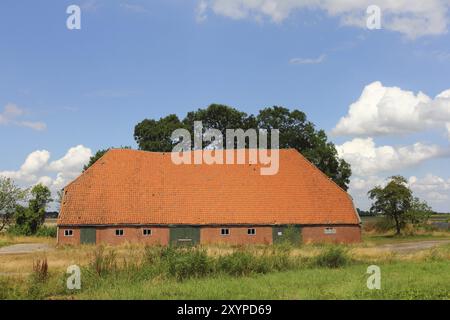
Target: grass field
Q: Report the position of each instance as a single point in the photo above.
(224, 272)
(401, 280)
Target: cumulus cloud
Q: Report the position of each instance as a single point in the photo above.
(384, 110)
(367, 159)
(34, 163)
(432, 188)
(73, 160)
(12, 115)
(411, 18)
(37, 168)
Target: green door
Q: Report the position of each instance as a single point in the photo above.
(187, 236)
(286, 233)
(88, 235)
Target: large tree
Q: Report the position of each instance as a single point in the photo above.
(295, 132)
(396, 202)
(10, 196)
(28, 220)
(155, 135)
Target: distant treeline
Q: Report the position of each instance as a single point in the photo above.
(363, 213)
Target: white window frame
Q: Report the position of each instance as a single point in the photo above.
(150, 232)
(227, 233)
(329, 231)
(251, 233)
(68, 232)
(118, 231)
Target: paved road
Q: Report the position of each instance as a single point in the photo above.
(409, 247)
(25, 248)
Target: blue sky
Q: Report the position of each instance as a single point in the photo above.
(65, 93)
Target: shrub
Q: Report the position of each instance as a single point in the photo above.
(332, 257)
(45, 231)
(187, 263)
(238, 263)
(103, 263)
(179, 262)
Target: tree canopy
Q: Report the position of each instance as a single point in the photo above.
(29, 219)
(10, 196)
(396, 202)
(295, 132)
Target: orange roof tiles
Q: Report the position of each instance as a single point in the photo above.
(138, 187)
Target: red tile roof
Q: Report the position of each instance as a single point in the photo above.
(138, 187)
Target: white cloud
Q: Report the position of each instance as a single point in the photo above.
(317, 60)
(11, 115)
(431, 188)
(367, 159)
(411, 18)
(35, 162)
(56, 174)
(38, 126)
(73, 160)
(384, 110)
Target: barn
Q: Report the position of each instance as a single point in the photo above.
(137, 196)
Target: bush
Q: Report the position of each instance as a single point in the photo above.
(179, 262)
(332, 257)
(103, 263)
(45, 231)
(187, 263)
(239, 263)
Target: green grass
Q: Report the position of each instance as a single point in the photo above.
(426, 280)
(3, 242)
(168, 273)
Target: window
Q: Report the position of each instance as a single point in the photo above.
(68, 233)
(225, 232)
(251, 231)
(119, 232)
(147, 232)
(330, 231)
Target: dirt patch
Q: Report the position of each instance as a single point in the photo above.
(25, 248)
(409, 247)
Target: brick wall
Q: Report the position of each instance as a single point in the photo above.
(343, 234)
(72, 240)
(238, 235)
(209, 235)
(107, 235)
(133, 235)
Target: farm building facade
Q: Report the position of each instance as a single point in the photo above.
(138, 196)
